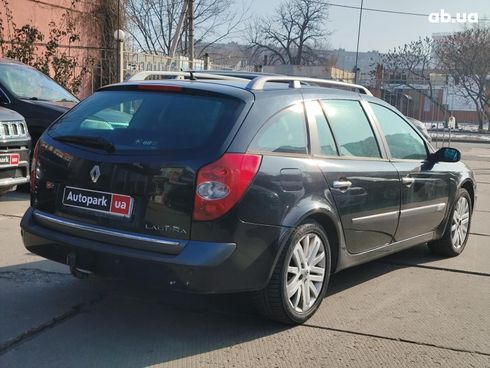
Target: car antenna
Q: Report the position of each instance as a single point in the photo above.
(193, 77)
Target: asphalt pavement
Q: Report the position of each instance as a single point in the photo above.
(411, 309)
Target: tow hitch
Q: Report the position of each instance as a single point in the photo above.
(71, 262)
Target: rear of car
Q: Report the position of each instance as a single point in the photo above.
(137, 180)
(15, 143)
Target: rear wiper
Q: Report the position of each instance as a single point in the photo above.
(89, 141)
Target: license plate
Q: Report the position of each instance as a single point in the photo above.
(12, 159)
(92, 200)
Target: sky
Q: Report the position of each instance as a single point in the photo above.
(383, 31)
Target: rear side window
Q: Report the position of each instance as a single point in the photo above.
(285, 132)
(151, 121)
(351, 128)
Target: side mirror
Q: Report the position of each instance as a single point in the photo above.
(446, 154)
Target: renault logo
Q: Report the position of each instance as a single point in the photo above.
(95, 173)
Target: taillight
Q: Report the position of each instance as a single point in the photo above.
(221, 184)
(35, 155)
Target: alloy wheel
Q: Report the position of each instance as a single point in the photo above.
(460, 223)
(306, 272)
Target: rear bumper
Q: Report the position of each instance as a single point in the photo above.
(203, 267)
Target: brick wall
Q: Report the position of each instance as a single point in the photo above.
(40, 13)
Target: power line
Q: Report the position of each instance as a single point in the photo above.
(389, 11)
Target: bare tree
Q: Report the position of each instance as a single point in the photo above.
(292, 34)
(153, 23)
(411, 65)
(466, 56)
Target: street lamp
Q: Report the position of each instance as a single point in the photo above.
(119, 36)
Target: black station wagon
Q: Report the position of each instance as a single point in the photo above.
(220, 184)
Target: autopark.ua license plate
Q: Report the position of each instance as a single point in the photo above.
(111, 203)
(12, 159)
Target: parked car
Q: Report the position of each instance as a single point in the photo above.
(15, 143)
(421, 127)
(266, 186)
(38, 98)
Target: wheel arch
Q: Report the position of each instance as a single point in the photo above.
(330, 223)
(470, 187)
(332, 226)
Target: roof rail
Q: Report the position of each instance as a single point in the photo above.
(257, 84)
(141, 76)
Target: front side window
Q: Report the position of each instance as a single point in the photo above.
(351, 128)
(404, 143)
(285, 132)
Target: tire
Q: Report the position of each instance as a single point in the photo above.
(24, 188)
(273, 302)
(457, 230)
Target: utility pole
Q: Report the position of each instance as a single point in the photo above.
(190, 23)
(187, 17)
(178, 30)
(356, 68)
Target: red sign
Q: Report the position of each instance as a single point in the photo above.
(120, 204)
(12, 159)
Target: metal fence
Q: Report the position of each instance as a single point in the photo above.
(431, 105)
(104, 69)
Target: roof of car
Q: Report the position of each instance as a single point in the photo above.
(237, 87)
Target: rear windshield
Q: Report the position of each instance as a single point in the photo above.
(151, 121)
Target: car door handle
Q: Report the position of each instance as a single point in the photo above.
(342, 184)
(408, 181)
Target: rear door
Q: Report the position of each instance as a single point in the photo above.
(424, 188)
(286, 176)
(364, 184)
(128, 159)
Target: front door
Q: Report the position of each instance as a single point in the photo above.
(424, 188)
(364, 185)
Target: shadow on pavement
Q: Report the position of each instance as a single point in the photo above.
(14, 196)
(416, 256)
(124, 323)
